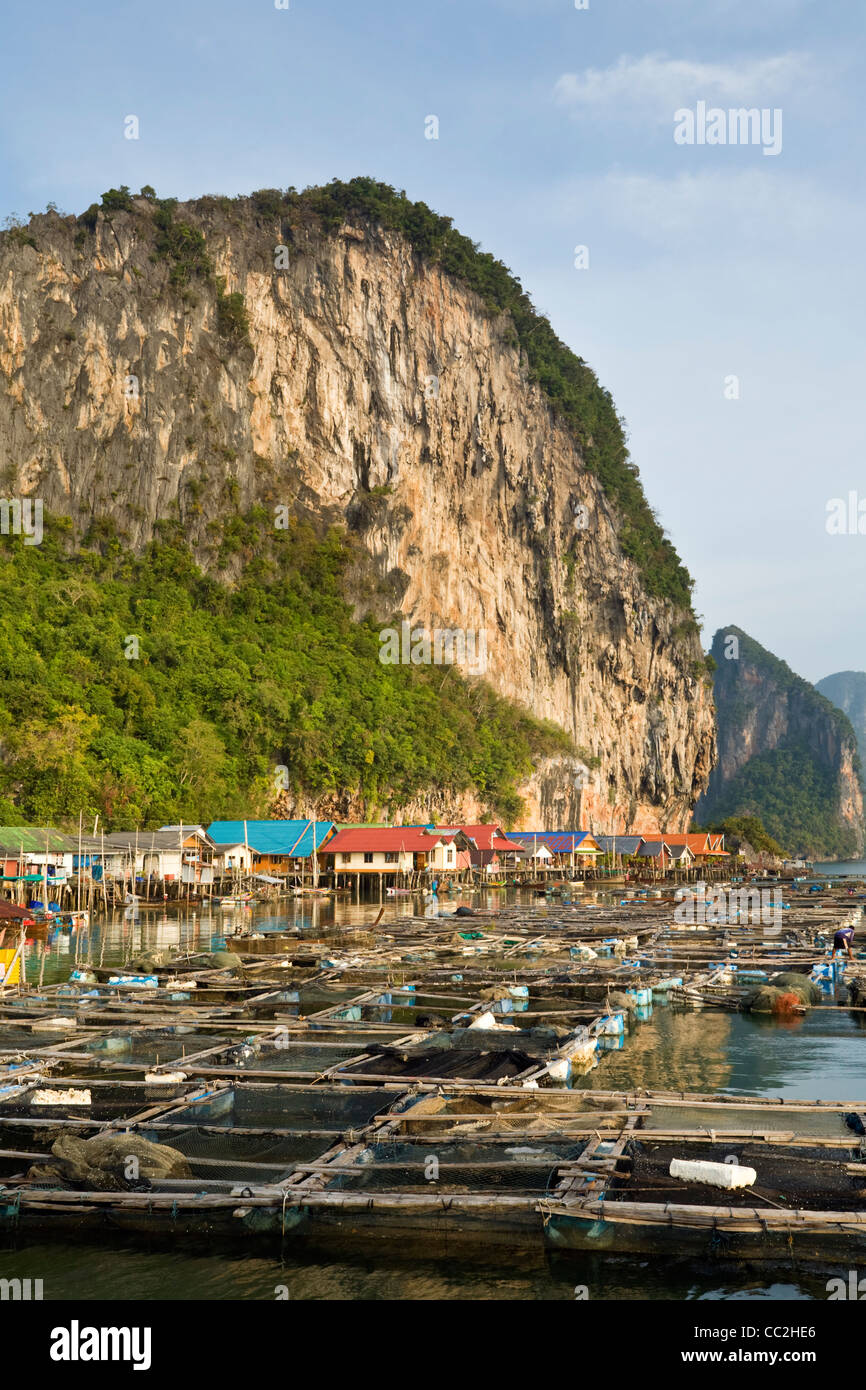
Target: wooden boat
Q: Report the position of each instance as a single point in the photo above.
(64, 921)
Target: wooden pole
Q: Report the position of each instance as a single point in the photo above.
(104, 888)
(19, 956)
(78, 885)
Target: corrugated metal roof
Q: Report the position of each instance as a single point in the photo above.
(699, 842)
(559, 841)
(389, 838)
(297, 838)
(581, 842)
(146, 840)
(11, 912)
(32, 838)
(618, 844)
(187, 829)
(484, 836)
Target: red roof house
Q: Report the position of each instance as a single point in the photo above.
(394, 849)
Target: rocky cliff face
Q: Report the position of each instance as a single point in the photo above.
(377, 390)
(785, 753)
(847, 691)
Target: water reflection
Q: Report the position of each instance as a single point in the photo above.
(675, 1052)
(121, 1272)
(142, 927)
(821, 1058)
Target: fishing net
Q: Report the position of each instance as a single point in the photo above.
(108, 1163)
(809, 1179)
(826, 1123)
(395, 1165)
(465, 1064)
(152, 1046)
(287, 1107)
(800, 985)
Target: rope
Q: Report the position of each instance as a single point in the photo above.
(719, 1242)
(545, 1209)
(12, 1209)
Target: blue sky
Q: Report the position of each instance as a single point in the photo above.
(555, 130)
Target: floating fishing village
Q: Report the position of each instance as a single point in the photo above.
(436, 1075)
(432, 704)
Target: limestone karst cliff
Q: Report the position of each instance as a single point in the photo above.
(847, 691)
(786, 754)
(189, 362)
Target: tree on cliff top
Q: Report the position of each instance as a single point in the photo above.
(738, 830)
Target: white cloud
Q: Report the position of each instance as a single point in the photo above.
(656, 85)
(747, 203)
(747, 213)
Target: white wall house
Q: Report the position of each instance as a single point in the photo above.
(382, 861)
(538, 852)
(393, 850)
(441, 856)
(233, 859)
(444, 857)
(160, 854)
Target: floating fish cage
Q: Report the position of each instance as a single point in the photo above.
(539, 1168)
(419, 1081)
(803, 1196)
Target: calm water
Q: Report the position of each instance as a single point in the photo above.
(120, 1272)
(842, 866)
(124, 936)
(820, 1056)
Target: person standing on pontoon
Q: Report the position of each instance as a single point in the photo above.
(842, 941)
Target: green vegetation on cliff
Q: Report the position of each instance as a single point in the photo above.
(795, 796)
(228, 685)
(744, 829)
(847, 691)
(804, 767)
